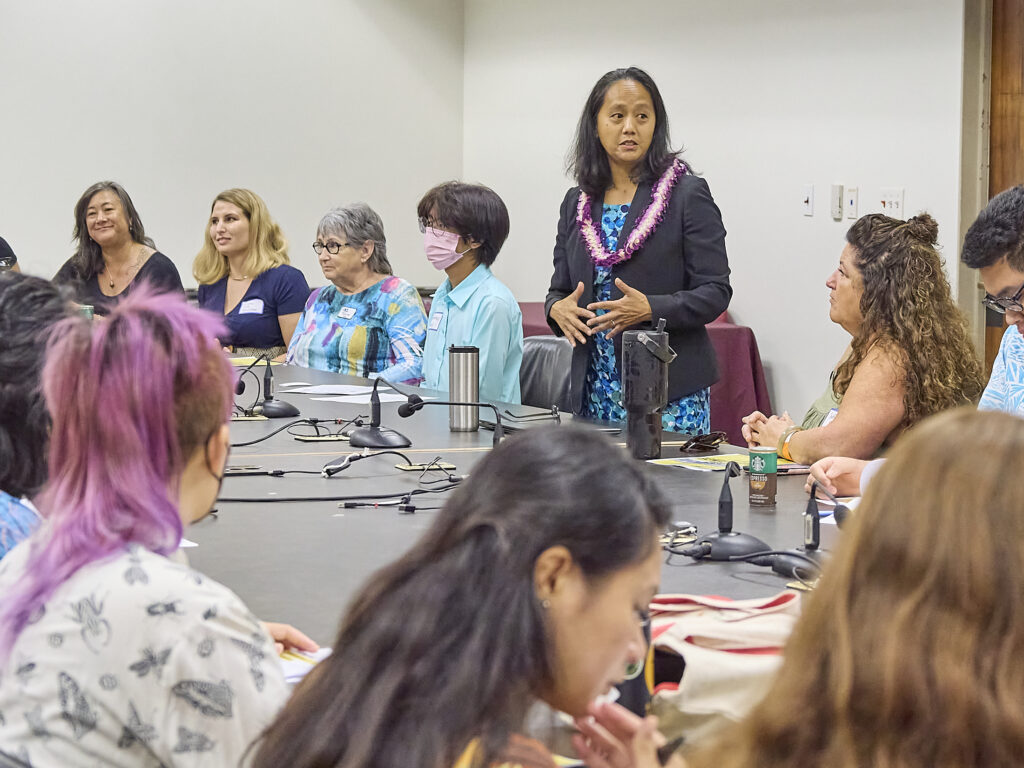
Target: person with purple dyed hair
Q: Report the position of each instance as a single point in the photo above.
(110, 652)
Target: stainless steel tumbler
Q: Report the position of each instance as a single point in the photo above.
(463, 387)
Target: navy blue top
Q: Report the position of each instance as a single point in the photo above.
(253, 321)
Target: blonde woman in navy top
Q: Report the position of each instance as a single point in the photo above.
(244, 274)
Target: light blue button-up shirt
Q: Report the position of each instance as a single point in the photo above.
(1005, 390)
(479, 312)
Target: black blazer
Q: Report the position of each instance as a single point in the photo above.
(682, 269)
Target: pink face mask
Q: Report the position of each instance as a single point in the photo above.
(441, 248)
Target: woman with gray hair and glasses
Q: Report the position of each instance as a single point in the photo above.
(367, 322)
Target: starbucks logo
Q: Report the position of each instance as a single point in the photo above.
(757, 464)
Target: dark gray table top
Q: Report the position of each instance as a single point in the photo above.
(300, 562)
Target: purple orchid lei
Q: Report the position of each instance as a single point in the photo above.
(645, 225)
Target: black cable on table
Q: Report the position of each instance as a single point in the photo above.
(268, 436)
(368, 497)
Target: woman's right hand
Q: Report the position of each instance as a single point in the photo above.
(614, 737)
(571, 317)
(839, 475)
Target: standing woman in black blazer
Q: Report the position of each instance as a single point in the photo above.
(639, 238)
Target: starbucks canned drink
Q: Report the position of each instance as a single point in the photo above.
(86, 311)
(764, 473)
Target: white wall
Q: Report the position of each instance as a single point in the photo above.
(311, 104)
(766, 96)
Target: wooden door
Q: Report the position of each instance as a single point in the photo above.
(1006, 140)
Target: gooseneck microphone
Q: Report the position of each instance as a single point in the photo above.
(725, 543)
(375, 436)
(416, 403)
(240, 384)
(271, 407)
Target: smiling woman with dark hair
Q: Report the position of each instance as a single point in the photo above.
(114, 253)
(639, 239)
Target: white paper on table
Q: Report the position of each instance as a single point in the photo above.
(331, 389)
(294, 384)
(364, 399)
(296, 669)
(185, 543)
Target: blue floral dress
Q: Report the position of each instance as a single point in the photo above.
(602, 390)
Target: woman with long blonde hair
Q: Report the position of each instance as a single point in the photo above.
(908, 654)
(245, 275)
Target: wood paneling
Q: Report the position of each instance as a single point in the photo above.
(1006, 142)
(1007, 136)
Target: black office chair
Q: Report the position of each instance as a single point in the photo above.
(544, 373)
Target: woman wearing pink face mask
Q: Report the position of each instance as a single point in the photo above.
(464, 227)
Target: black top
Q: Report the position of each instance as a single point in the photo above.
(159, 271)
(682, 269)
(7, 257)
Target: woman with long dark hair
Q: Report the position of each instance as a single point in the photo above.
(533, 583)
(639, 239)
(29, 308)
(113, 253)
(908, 654)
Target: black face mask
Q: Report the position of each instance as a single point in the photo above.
(209, 468)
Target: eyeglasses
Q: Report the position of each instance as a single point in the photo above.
(699, 443)
(332, 248)
(434, 226)
(1004, 303)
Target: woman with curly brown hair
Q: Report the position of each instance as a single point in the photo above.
(908, 652)
(909, 358)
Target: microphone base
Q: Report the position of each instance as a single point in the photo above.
(787, 566)
(278, 409)
(725, 546)
(377, 437)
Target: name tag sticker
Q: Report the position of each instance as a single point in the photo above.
(830, 417)
(251, 307)
(435, 321)
(347, 313)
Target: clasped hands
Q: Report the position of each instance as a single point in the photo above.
(838, 475)
(759, 429)
(577, 323)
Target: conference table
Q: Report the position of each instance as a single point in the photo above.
(287, 548)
